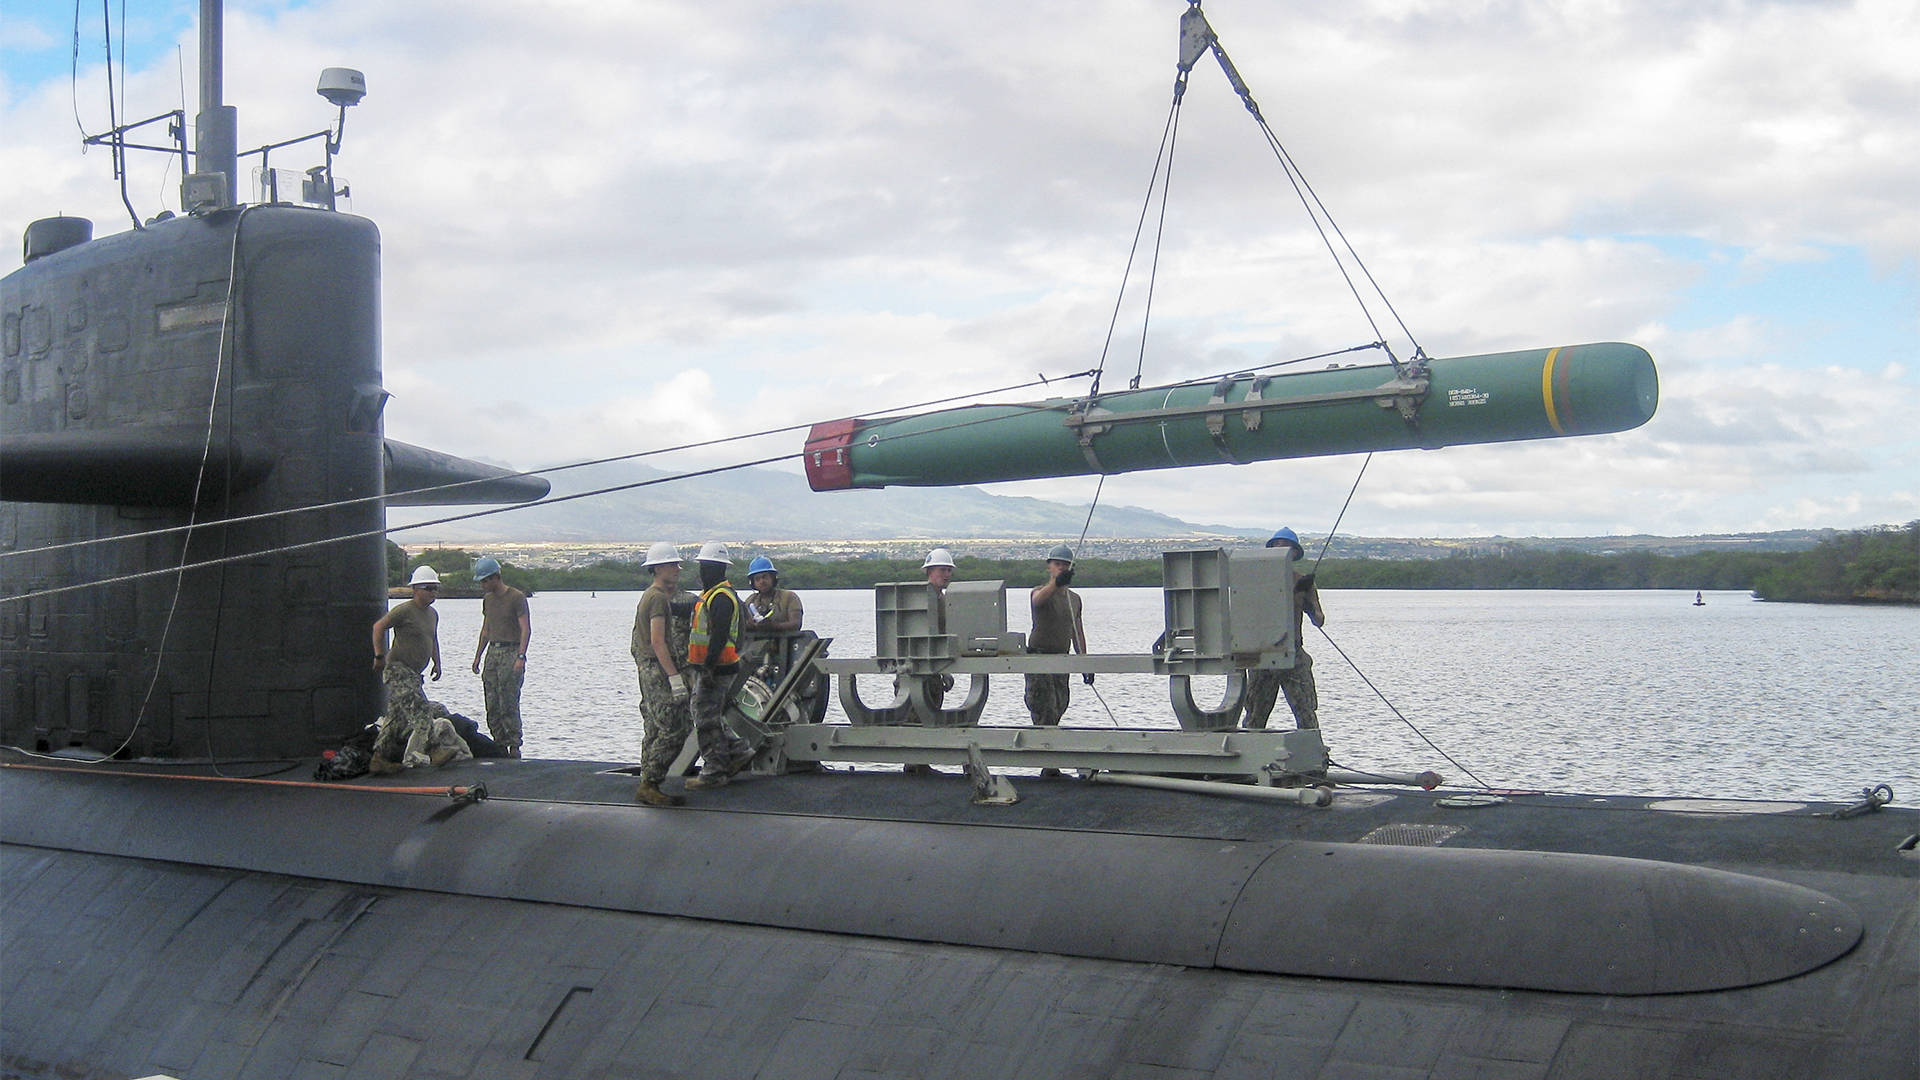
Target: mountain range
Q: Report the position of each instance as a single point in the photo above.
(767, 504)
(775, 509)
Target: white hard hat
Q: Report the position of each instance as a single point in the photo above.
(424, 576)
(661, 553)
(938, 557)
(715, 551)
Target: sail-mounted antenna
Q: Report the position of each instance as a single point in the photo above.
(215, 159)
(213, 182)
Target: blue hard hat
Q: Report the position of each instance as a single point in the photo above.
(761, 565)
(1284, 536)
(485, 568)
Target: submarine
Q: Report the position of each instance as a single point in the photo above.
(182, 634)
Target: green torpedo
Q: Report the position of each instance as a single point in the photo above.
(1237, 419)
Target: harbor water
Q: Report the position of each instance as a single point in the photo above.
(1606, 692)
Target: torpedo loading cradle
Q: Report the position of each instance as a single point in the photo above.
(1226, 611)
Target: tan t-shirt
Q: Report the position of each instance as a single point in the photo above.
(414, 632)
(1053, 623)
(658, 603)
(501, 614)
(785, 607)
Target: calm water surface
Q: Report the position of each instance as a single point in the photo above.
(1610, 692)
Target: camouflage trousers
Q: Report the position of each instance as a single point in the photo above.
(1265, 685)
(409, 714)
(719, 746)
(669, 722)
(500, 683)
(1047, 698)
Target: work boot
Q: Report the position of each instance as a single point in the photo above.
(708, 781)
(1049, 774)
(380, 766)
(442, 756)
(745, 759)
(417, 760)
(917, 770)
(649, 794)
(513, 751)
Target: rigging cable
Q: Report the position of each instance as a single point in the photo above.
(1396, 711)
(73, 76)
(466, 517)
(1311, 202)
(364, 499)
(206, 454)
(265, 515)
(1169, 143)
(1139, 226)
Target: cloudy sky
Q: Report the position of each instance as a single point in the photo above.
(614, 226)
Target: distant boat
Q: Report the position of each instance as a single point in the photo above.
(1698, 600)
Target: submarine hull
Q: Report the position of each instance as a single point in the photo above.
(1497, 397)
(195, 925)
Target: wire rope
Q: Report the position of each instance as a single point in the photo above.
(546, 471)
(1395, 710)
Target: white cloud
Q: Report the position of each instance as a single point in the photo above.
(842, 207)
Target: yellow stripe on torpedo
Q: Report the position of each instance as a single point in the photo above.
(1546, 391)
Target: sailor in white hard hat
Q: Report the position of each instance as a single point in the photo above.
(939, 570)
(659, 649)
(713, 659)
(416, 644)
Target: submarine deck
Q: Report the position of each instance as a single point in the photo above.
(1752, 835)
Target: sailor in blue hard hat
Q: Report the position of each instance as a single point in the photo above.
(770, 608)
(1265, 685)
(500, 658)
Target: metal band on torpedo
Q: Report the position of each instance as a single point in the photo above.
(1086, 434)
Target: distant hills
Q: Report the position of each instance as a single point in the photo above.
(773, 509)
(766, 504)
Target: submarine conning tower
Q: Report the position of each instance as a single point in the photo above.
(193, 371)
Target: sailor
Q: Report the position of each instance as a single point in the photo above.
(659, 649)
(500, 658)
(713, 659)
(1056, 630)
(939, 570)
(1266, 684)
(416, 642)
(769, 611)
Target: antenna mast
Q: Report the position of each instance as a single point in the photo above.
(216, 138)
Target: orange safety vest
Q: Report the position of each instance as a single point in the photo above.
(697, 641)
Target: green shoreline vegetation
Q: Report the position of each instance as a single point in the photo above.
(1876, 565)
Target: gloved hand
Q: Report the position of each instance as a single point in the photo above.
(1087, 677)
(1064, 578)
(678, 683)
